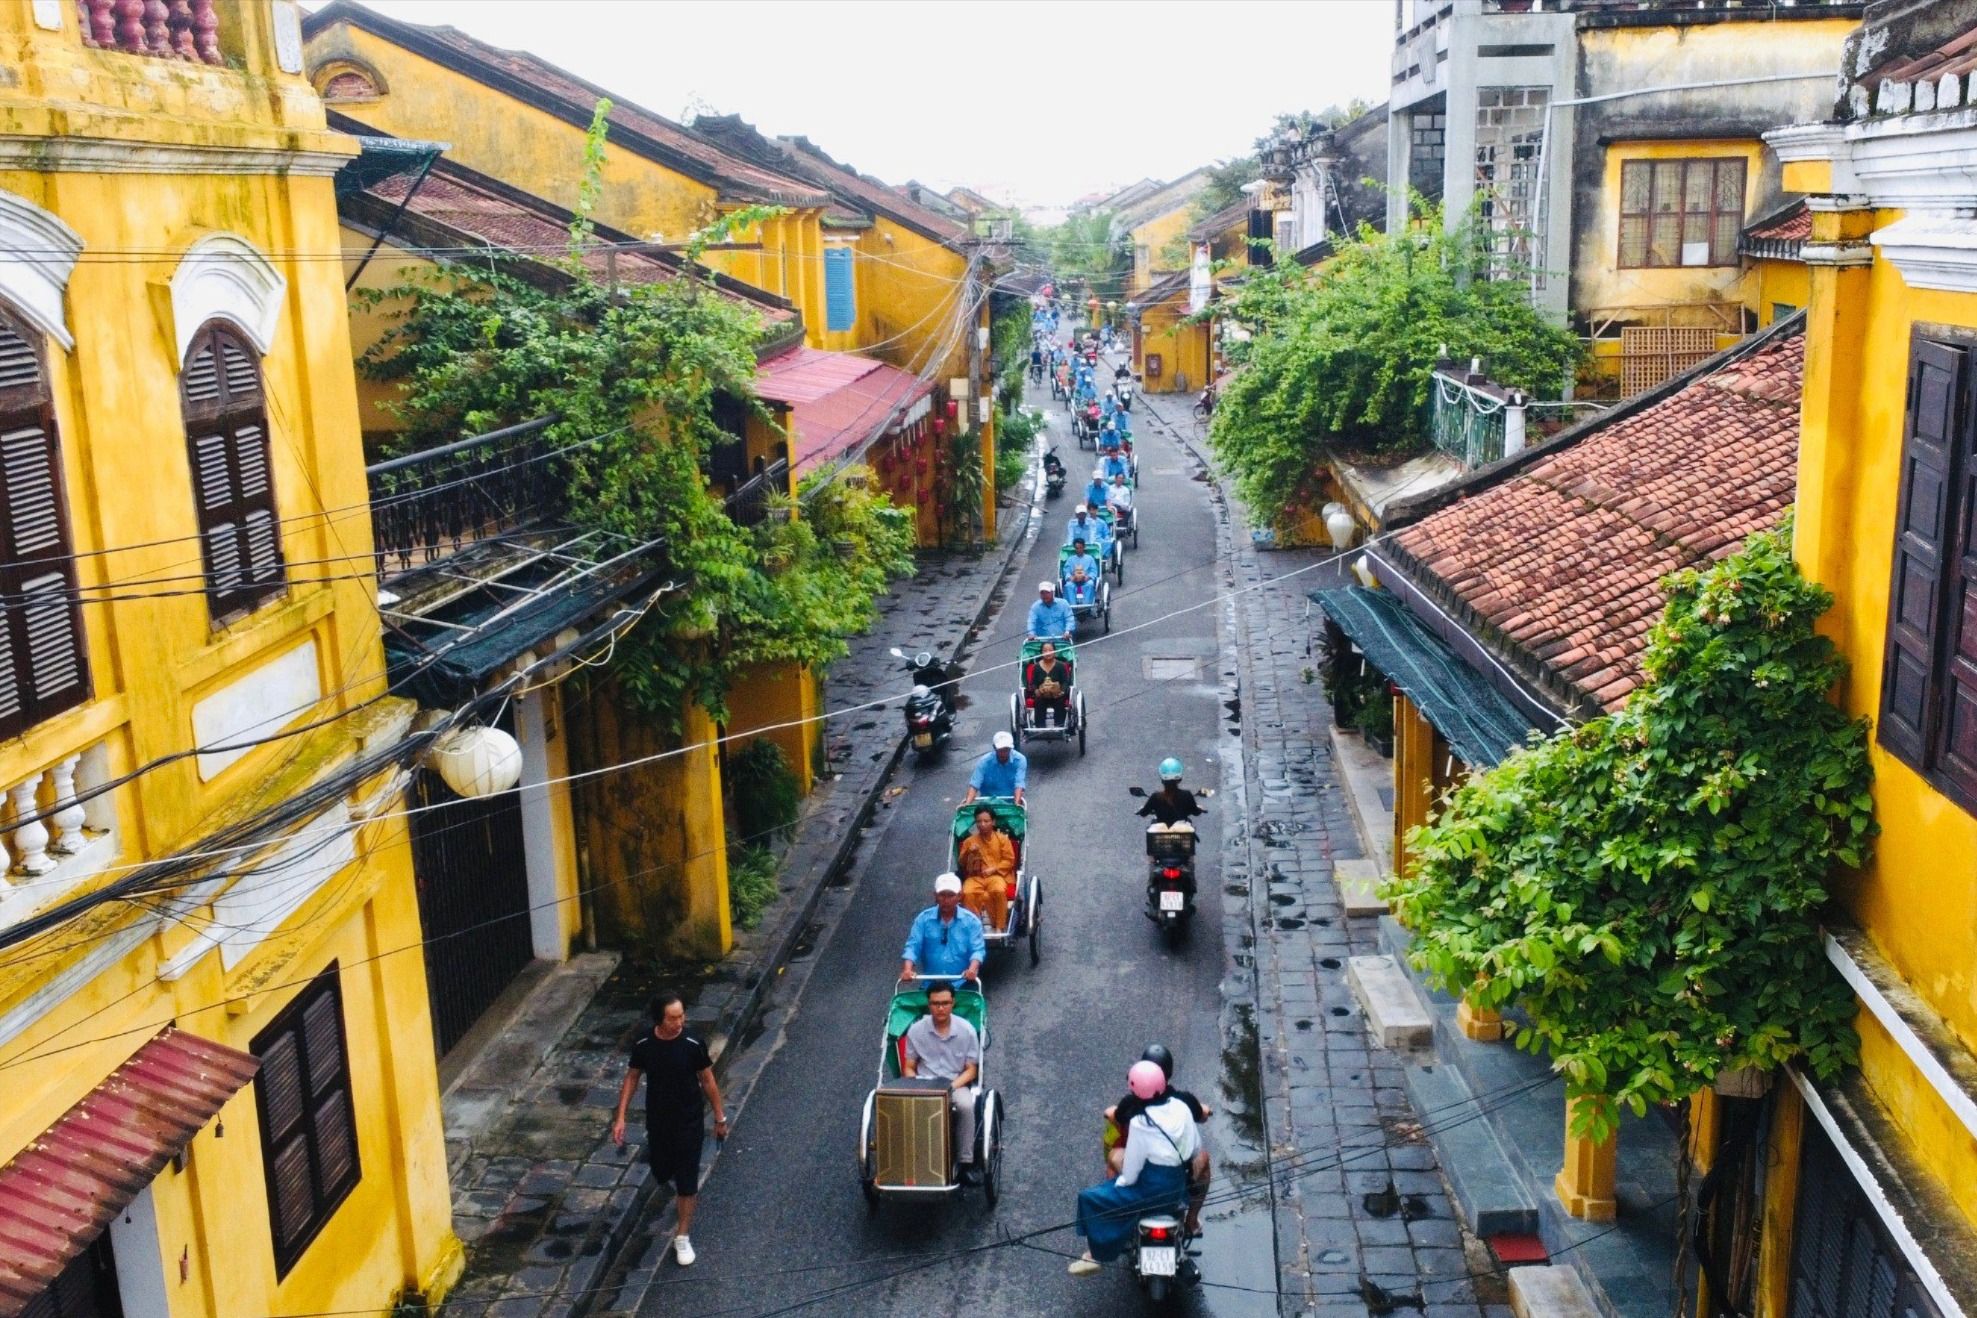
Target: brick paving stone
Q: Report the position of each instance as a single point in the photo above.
(1325, 1084)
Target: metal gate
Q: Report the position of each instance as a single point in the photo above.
(1843, 1263)
(473, 900)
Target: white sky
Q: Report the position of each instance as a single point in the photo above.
(1034, 102)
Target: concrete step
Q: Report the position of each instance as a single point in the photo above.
(1365, 775)
(1550, 1292)
(1359, 886)
(1489, 1194)
(1393, 1010)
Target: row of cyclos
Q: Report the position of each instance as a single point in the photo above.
(929, 1130)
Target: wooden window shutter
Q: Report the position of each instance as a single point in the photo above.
(1910, 681)
(233, 485)
(840, 296)
(43, 665)
(1955, 745)
(308, 1127)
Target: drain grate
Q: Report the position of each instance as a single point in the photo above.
(1169, 668)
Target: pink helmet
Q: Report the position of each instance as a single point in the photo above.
(1146, 1080)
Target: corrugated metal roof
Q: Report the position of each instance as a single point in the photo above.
(838, 400)
(58, 1193)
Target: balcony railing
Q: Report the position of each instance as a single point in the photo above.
(163, 29)
(429, 505)
(50, 839)
(749, 504)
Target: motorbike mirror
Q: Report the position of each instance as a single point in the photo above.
(898, 653)
(1205, 793)
(1136, 791)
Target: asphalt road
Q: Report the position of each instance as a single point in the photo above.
(782, 1226)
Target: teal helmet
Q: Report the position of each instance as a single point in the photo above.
(1170, 770)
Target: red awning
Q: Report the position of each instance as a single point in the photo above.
(840, 401)
(58, 1193)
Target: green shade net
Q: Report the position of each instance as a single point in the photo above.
(909, 1005)
(1477, 721)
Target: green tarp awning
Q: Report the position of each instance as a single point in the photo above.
(1480, 725)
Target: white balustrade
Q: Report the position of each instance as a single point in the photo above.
(48, 826)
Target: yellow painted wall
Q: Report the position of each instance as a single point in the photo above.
(1150, 238)
(1912, 899)
(911, 292)
(769, 695)
(1599, 282)
(1775, 284)
(489, 131)
(127, 483)
(1184, 349)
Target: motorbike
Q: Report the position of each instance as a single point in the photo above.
(1170, 886)
(930, 705)
(1160, 1257)
(1122, 389)
(1053, 474)
(1204, 405)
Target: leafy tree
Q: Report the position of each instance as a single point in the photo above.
(1647, 886)
(1340, 361)
(632, 377)
(1084, 249)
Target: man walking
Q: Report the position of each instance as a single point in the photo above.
(678, 1073)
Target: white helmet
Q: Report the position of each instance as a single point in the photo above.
(921, 693)
(1002, 741)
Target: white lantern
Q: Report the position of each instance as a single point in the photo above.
(478, 761)
(1340, 526)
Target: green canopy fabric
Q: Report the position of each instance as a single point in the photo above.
(1480, 725)
(909, 1005)
(1009, 817)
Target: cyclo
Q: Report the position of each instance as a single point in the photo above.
(1114, 555)
(906, 1146)
(1092, 599)
(1025, 891)
(1026, 721)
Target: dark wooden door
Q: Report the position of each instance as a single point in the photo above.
(1844, 1265)
(473, 900)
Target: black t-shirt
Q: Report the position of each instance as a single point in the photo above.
(672, 1078)
(1174, 809)
(1132, 1105)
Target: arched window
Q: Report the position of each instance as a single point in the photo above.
(43, 666)
(226, 430)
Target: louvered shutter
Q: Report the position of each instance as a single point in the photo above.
(1955, 746)
(1910, 683)
(43, 669)
(308, 1128)
(233, 486)
(840, 296)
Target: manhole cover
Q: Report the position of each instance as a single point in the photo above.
(1169, 668)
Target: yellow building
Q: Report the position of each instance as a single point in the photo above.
(1171, 353)
(1779, 281)
(1889, 1154)
(221, 1095)
(1155, 229)
(512, 116)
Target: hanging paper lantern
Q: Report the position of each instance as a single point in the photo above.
(478, 761)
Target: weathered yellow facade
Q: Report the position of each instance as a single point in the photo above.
(158, 196)
(1170, 353)
(1885, 278)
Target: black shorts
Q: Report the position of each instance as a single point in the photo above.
(675, 1156)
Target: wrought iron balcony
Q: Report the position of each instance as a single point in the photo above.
(749, 504)
(163, 29)
(429, 505)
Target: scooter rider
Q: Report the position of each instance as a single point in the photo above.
(1050, 617)
(1173, 803)
(1121, 1116)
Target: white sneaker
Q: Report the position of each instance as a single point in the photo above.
(683, 1251)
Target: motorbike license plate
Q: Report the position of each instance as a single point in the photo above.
(1157, 1260)
(923, 739)
(1172, 900)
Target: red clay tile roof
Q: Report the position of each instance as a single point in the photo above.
(838, 400)
(539, 82)
(1792, 224)
(1558, 566)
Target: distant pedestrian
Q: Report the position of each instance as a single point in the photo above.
(678, 1072)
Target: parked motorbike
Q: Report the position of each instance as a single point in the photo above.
(930, 705)
(1053, 474)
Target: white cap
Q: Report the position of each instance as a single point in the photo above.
(1046, 587)
(948, 883)
(1082, 508)
(1002, 741)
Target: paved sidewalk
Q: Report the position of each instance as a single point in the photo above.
(1364, 1220)
(542, 1198)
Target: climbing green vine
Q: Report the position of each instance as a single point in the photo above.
(1646, 886)
(633, 376)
